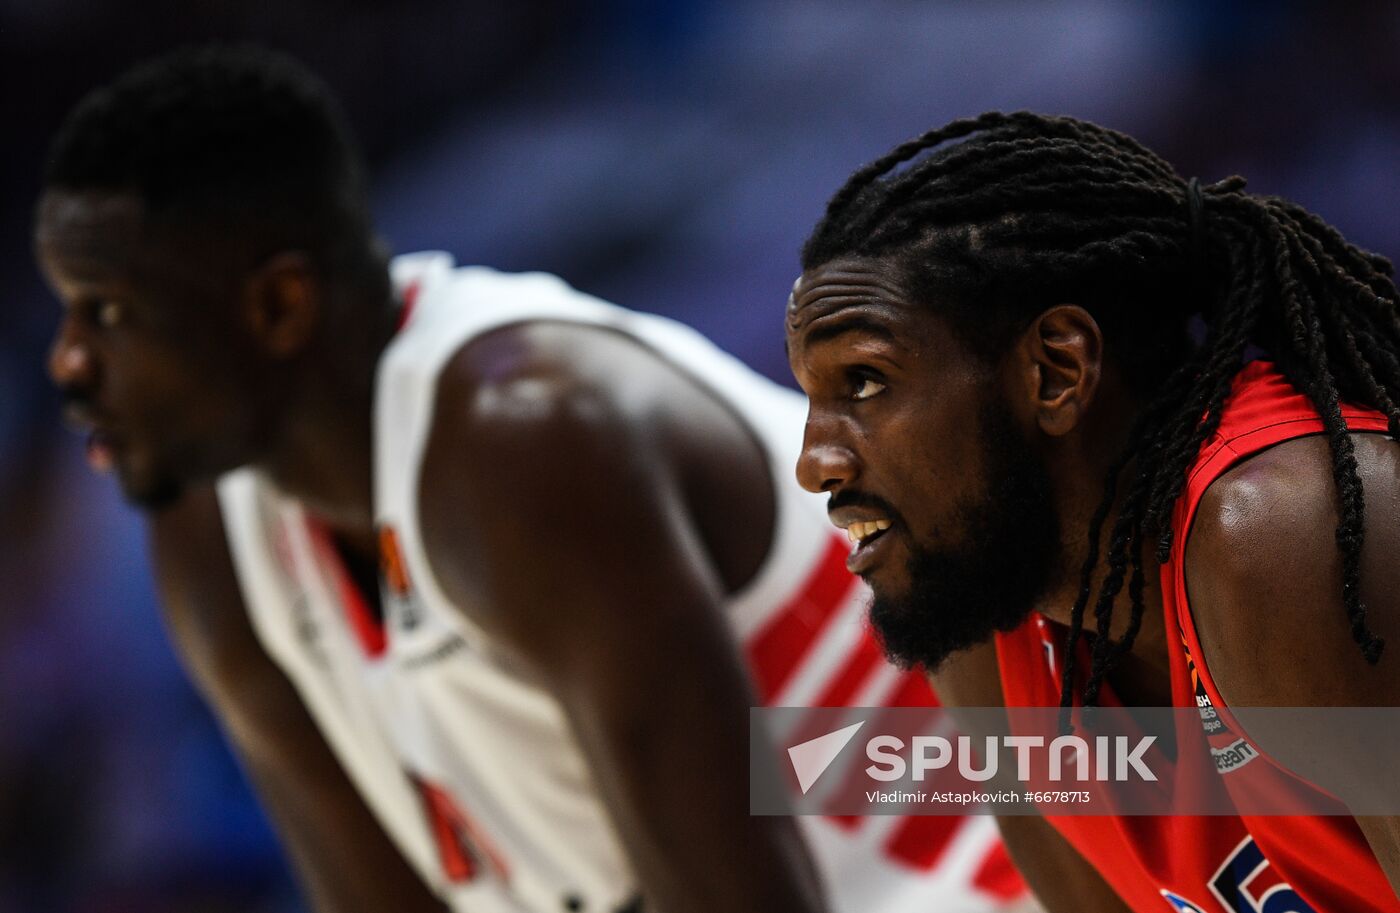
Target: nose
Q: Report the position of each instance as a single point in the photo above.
(72, 363)
(826, 463)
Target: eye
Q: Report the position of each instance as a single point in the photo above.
(109, 314)
(863, 387)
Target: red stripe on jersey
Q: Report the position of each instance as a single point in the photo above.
(998, 876)
(410, 297)
(911, 689)
(778, 648)
(368, 630)
(457, 862)
(462, 847)
(852, 674)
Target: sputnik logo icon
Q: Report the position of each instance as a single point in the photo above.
(810, 759)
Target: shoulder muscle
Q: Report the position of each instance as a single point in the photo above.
(1264, 574)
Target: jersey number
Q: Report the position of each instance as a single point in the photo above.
(1229, 887)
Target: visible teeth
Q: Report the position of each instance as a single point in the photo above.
(861, 531)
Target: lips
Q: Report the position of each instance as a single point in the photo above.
(870, 550)
(102, 443)
(870, 533)
(869, 521)
(101, 451)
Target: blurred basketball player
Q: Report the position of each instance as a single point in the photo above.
(480, 573)
(1036, 306)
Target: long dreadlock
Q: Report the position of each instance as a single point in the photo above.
(1029, 209)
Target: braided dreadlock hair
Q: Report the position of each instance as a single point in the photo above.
(1030, 210)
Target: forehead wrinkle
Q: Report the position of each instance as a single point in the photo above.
(829, 298)
(860, 303)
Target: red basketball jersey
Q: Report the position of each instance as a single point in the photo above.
(1213, 864)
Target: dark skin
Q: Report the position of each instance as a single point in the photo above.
(1264, 578)
(605, 465)
(343, 859)
(891, 391)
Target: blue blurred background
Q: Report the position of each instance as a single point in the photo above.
(667, 155)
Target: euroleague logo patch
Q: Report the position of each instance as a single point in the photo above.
(393, 570)
(1228, 752)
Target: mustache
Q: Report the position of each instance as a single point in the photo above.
(849, 498)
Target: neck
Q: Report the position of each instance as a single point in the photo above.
(323, 451)
(1079, 478)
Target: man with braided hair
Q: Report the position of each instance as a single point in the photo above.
(1037, 358)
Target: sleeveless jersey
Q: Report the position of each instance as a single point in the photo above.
(465, 759)
(1213, 864)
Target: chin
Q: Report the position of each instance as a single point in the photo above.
(944, 610)
(151, 492)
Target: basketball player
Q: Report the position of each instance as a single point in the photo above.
(480, 573)
(1038, 305)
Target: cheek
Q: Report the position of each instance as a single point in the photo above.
(931, 441)
(169, 389)
(931, 461)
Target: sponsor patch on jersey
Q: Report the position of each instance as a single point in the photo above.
(1233, 756)
(442, 650)
(1229, 751)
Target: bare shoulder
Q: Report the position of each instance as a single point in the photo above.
(1261, 518)
(526, 384)
(547, 449)
(530, 419)
(552, 441)
(1264, 575)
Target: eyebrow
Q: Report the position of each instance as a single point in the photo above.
(857, 323)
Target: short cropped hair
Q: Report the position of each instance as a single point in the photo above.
(240, 140)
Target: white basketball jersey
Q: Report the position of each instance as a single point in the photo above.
(465, 759)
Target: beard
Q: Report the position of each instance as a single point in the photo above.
(960, 595)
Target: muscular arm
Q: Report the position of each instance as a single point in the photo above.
(343, 860)
(1061, 879)
(553, 516)
(1265, 583)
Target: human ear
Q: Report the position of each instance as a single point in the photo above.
(282, 301)
(1061, 363)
